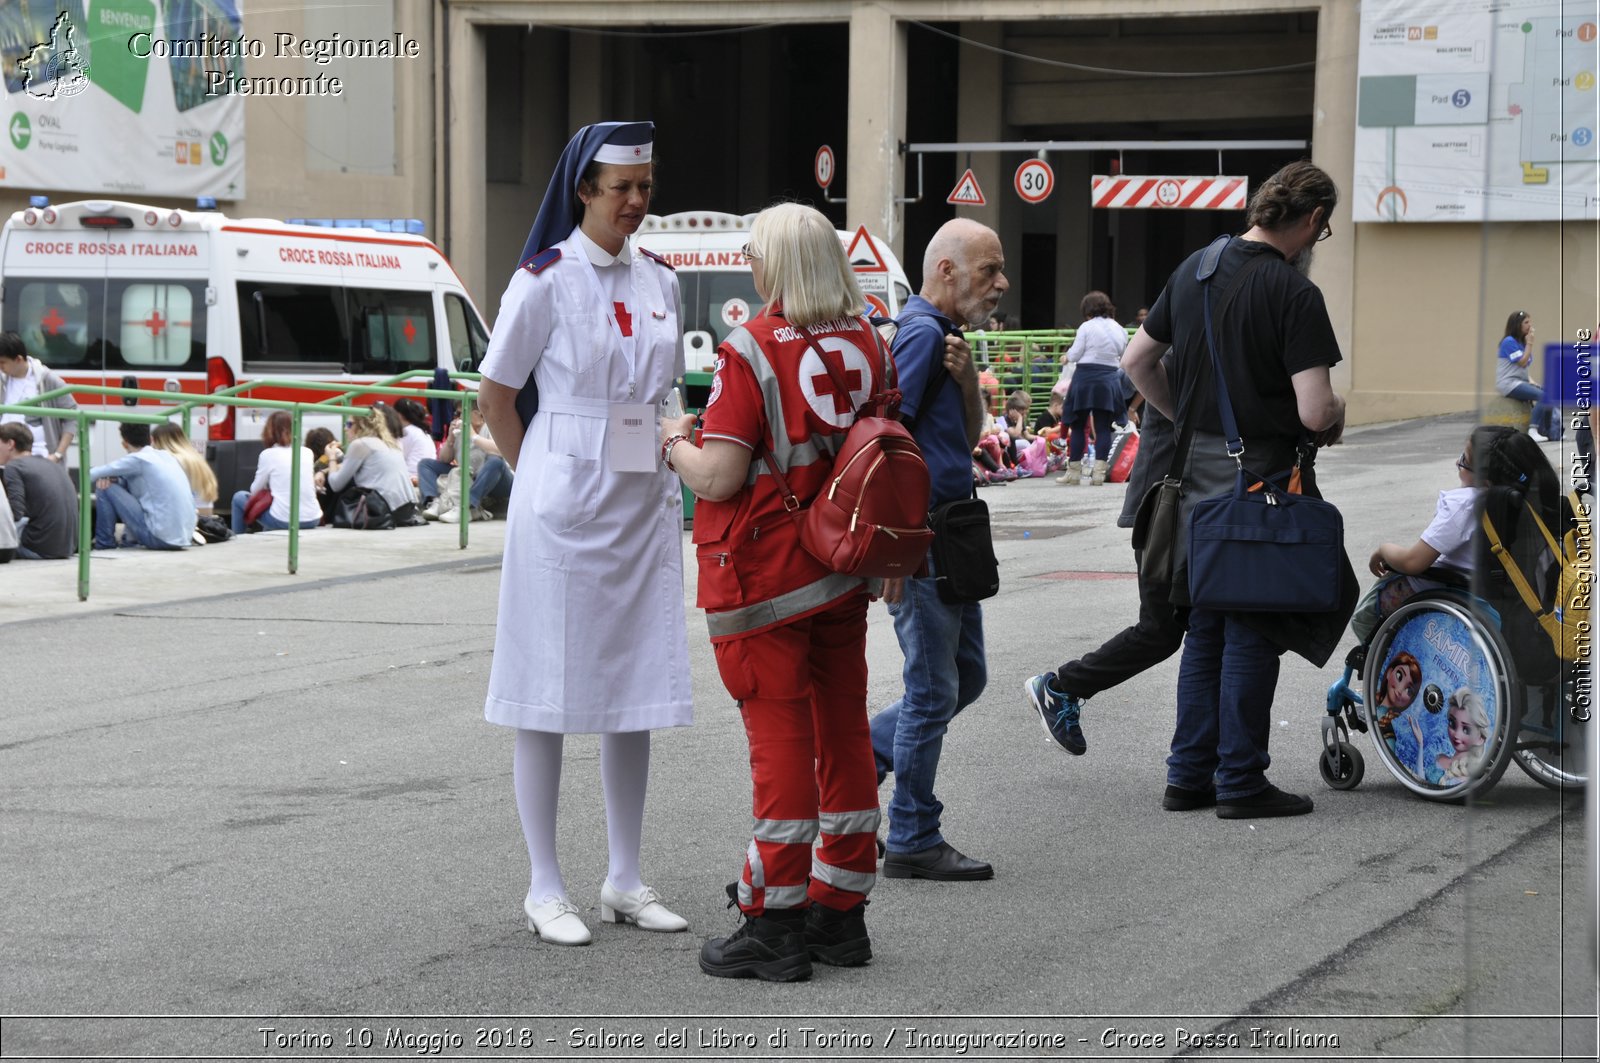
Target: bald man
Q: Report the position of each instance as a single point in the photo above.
(963, 278)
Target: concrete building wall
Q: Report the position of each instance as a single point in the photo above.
(309, 156)
(1417, 308)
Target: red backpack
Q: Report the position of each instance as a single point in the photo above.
(871, 519)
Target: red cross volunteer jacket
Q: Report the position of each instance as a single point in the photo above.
(771, 389)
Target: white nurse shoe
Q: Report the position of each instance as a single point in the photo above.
(555, 920)
(641, 907)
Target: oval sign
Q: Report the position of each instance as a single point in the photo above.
(823, 167)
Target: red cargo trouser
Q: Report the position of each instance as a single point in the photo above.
(802, 689)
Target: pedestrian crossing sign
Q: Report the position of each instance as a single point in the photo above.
(966, 193)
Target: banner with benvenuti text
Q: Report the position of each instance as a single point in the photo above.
(121, 97)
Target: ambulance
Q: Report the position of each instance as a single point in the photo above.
(714, 280)
(190, 301)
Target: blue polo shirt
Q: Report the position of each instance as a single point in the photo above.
(941, 429)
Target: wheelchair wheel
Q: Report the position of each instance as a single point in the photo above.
(1550, 745)
(1442, 703)
(1342, 766)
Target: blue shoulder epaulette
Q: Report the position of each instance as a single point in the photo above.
(647, 253)
(539, 262)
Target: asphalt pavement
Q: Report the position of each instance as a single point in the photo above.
(247, 814)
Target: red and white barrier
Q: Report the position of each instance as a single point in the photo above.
(1126, 192)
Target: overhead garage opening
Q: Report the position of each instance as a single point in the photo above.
(1221, 77)
(739, 112)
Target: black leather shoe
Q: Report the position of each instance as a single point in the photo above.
(771, 947)
(941, 863)
(1269, 802)
(838, 938)
(1178, 799)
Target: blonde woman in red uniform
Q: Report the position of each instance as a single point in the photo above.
(790, 635)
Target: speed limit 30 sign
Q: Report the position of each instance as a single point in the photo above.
(1035, 181)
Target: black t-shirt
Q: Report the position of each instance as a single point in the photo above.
(1046, 419)
(1276, 326)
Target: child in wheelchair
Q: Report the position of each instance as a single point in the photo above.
(1446, 543)
(1460, 678)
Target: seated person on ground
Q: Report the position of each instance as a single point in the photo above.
(202, 481)
(491, 476)
(374, 462)
(147, 492)
(416, 445)
(275, 473)
(41, 496)
(8, 532)
(322, 443)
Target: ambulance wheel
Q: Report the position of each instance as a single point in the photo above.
(1342, 766)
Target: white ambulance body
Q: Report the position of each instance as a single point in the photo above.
(714, 279)
(188, 302)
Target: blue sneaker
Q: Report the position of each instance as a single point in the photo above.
(1058, 713)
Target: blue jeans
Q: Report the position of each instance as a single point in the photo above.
(944, 672)
(117, 503)
(1540, 417)
(22, 551)
(493, 478)
(267, 521)
(1225, 688)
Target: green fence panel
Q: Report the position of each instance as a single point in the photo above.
(235, 396)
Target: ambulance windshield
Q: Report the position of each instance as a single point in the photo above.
(717, 301)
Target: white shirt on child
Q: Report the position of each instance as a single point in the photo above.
(1450, 533)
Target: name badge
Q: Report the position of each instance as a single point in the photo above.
(631, 439)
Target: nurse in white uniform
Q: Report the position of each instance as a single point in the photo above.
(591, 633)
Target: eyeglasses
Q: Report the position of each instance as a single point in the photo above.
(1327, 229)
(1463, 463)
(749, 255)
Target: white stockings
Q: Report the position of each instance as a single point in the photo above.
(536, 778)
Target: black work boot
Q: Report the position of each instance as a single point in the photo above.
(771, 946)
(838, 938)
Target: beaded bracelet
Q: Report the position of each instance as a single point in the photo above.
(666, 449)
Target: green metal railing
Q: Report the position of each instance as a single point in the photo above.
(1029, 360)
(184, 407)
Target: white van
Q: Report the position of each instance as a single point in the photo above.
(714, 279)
(187, 302)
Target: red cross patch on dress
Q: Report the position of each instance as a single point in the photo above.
(624, 319)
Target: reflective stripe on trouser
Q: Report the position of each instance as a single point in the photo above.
(802, 689)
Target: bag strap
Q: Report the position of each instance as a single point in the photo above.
(936, 376)
(1203, 274)
(1513, 571)
(1549, 537)
(1186, 427)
